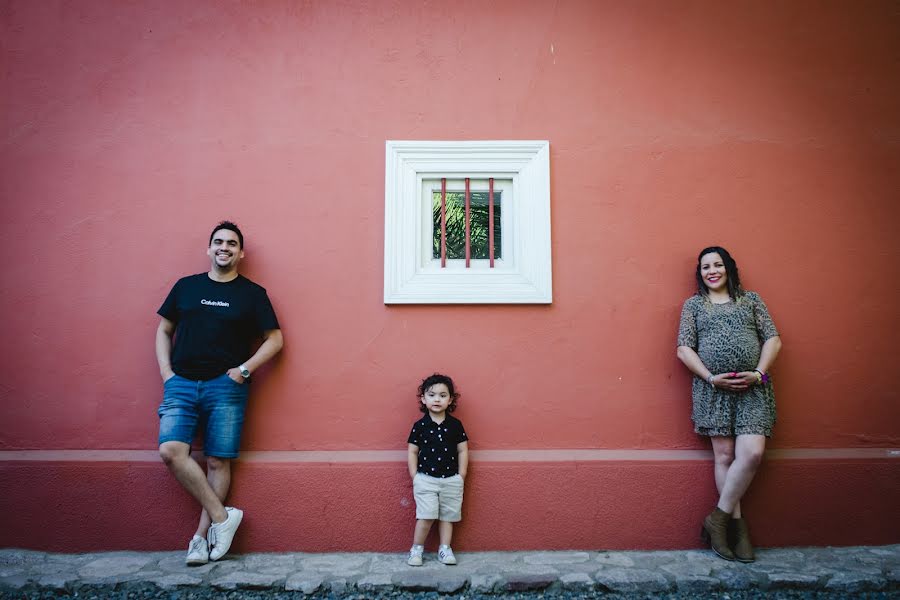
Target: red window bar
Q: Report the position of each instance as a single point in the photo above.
(468, 216)
(490, 220)
(468, 252)
(443, 222)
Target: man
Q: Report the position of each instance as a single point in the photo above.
(214, 318)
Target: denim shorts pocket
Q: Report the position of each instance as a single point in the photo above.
(228, 377)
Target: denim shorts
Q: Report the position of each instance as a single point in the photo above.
(217, 404)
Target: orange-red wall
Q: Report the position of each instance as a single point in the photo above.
(130, 128)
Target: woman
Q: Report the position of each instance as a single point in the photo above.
(728, 340)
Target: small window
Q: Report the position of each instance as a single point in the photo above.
(467, 222)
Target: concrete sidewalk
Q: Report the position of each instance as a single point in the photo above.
(841, 570)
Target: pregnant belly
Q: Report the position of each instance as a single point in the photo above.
(733, 356)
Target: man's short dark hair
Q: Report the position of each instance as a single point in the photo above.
(230, 227)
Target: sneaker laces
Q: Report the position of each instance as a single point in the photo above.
(197, 544)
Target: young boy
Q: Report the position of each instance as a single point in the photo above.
(438, 458)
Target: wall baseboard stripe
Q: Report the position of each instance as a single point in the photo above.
(391, 456)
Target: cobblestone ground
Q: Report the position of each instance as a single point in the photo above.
(858, 572)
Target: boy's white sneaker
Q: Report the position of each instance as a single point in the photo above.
(445, 555)
(221, 534)
(415, 556)
(198, 552)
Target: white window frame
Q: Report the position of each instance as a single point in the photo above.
(523, 276)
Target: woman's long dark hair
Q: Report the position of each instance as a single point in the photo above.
(733, 280)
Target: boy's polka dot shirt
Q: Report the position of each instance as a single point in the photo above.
(437, 445)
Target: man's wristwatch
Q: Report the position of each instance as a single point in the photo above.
(245, 372)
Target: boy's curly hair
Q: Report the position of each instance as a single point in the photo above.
(434, 380)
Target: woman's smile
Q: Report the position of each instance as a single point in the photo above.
(713, 269)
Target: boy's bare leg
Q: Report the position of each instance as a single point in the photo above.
(423, 526)
(445, 529)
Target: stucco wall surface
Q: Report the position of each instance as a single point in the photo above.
(129, 129)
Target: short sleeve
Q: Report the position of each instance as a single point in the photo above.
(264, 313)
(687, 327)
(461, 434)
(169, 308)
(765, 327)
(414, 435)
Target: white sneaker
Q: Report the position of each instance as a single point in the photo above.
(445, 555)
(415, 556)
(198, 552)
(220, 535)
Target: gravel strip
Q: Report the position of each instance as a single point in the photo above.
(144, 591)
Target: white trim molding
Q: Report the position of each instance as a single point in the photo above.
(524, 276)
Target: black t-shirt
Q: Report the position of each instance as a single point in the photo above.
(215, 323)
(437, 445)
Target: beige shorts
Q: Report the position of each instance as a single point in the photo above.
(438, 498)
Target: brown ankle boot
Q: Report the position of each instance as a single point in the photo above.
(743, 549)
(715, 533)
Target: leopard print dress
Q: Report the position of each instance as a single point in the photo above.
(728, 337)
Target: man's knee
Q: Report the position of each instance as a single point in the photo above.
(172, 452)
(214, 463)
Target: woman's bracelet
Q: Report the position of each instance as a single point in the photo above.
(761, 376)
(709, 380)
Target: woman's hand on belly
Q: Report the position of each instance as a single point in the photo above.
(735, 382)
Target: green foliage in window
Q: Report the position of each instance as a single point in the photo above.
(456, 224)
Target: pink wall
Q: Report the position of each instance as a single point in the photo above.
(129, 129)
